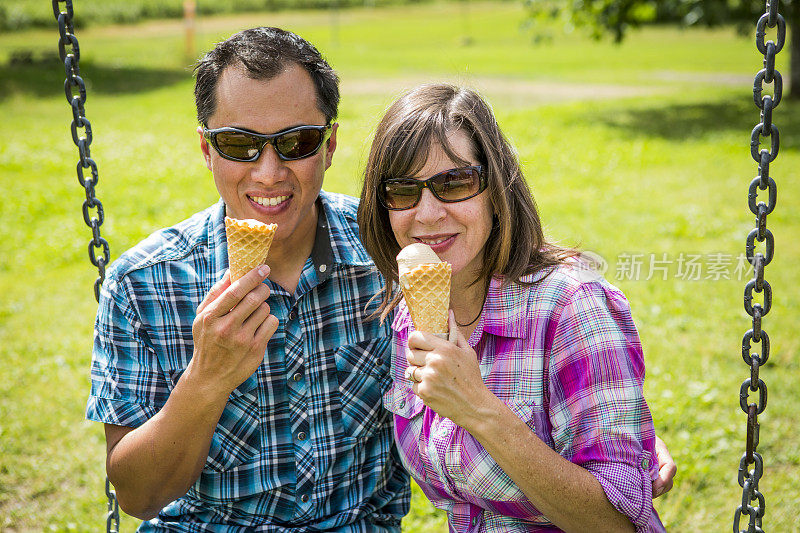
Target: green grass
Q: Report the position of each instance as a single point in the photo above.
(24, 14)
(641, 148)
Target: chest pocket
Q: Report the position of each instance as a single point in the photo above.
(362, 370)
(401, 401)
(237, 437)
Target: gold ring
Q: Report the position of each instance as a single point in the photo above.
(411, 373)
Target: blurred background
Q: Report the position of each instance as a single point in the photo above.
(632, 121)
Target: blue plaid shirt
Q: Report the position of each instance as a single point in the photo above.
(304, 443)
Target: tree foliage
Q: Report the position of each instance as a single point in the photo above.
(615, 17)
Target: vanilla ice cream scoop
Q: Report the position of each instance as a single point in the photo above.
(414, 255)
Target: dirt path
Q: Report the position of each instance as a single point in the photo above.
(508, 89)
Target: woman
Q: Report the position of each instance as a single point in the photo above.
(531, 417)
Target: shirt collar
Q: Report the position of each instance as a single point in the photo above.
(340, 217)
(402, 317)
(505, 309)
(218, 241)
(322, 252)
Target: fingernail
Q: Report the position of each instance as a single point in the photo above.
(263, 270)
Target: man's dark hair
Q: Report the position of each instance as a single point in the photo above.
(264, 53)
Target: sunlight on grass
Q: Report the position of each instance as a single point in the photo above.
(636, 150)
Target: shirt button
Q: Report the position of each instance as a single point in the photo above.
(474, 520)
(292, 314)
(645, 463)
(304, 498)
(379, 361)
(402, 403)
(323, 268)
(297, 376)
(301, 435)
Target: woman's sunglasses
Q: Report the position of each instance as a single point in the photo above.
(290, 145)
(454, 185)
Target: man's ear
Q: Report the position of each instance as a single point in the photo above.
(204, 147)
(331, 146)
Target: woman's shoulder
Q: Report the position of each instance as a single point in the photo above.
(557, 280)
(547, 290)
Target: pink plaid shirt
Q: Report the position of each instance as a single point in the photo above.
(564, 355)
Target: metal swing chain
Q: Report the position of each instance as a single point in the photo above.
(749, 478)
(83, 139)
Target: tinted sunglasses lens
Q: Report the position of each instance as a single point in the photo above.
(457, 184)
(238, 145)
(400, 194)
(298, 144)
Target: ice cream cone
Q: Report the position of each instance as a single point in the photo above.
(426, 289)
(248, 244)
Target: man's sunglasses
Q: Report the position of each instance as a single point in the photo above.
(454, 185)
(290, 145)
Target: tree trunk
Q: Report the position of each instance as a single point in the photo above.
(793, 27)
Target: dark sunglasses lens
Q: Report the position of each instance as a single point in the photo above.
(238, 145)
(298, 144)
(457, 184)
(400, 194)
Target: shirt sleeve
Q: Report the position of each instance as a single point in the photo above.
(597, 409)
(127, 385)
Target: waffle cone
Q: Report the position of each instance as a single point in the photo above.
(426, 289)
(248, 244)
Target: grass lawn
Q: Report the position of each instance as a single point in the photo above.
(638, 152)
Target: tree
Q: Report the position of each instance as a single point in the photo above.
(616, 17)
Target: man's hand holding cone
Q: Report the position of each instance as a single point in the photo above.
(233, 322)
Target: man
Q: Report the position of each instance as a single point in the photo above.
(262, 408)
(253, 405)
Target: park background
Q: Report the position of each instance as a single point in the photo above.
(637, 151)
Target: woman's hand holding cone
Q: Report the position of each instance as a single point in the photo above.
(447, 376)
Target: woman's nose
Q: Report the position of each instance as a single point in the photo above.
(429, 209)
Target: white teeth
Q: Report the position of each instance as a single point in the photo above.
(269, 201)
(434, 242)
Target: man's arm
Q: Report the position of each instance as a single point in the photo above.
(157, 462)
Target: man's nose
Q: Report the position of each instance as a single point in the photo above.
(268, 166)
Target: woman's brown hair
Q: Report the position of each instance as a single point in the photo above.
(516, 246)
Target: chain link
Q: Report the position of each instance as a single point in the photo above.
(112, 516)
(750, 477)
(81, 129)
